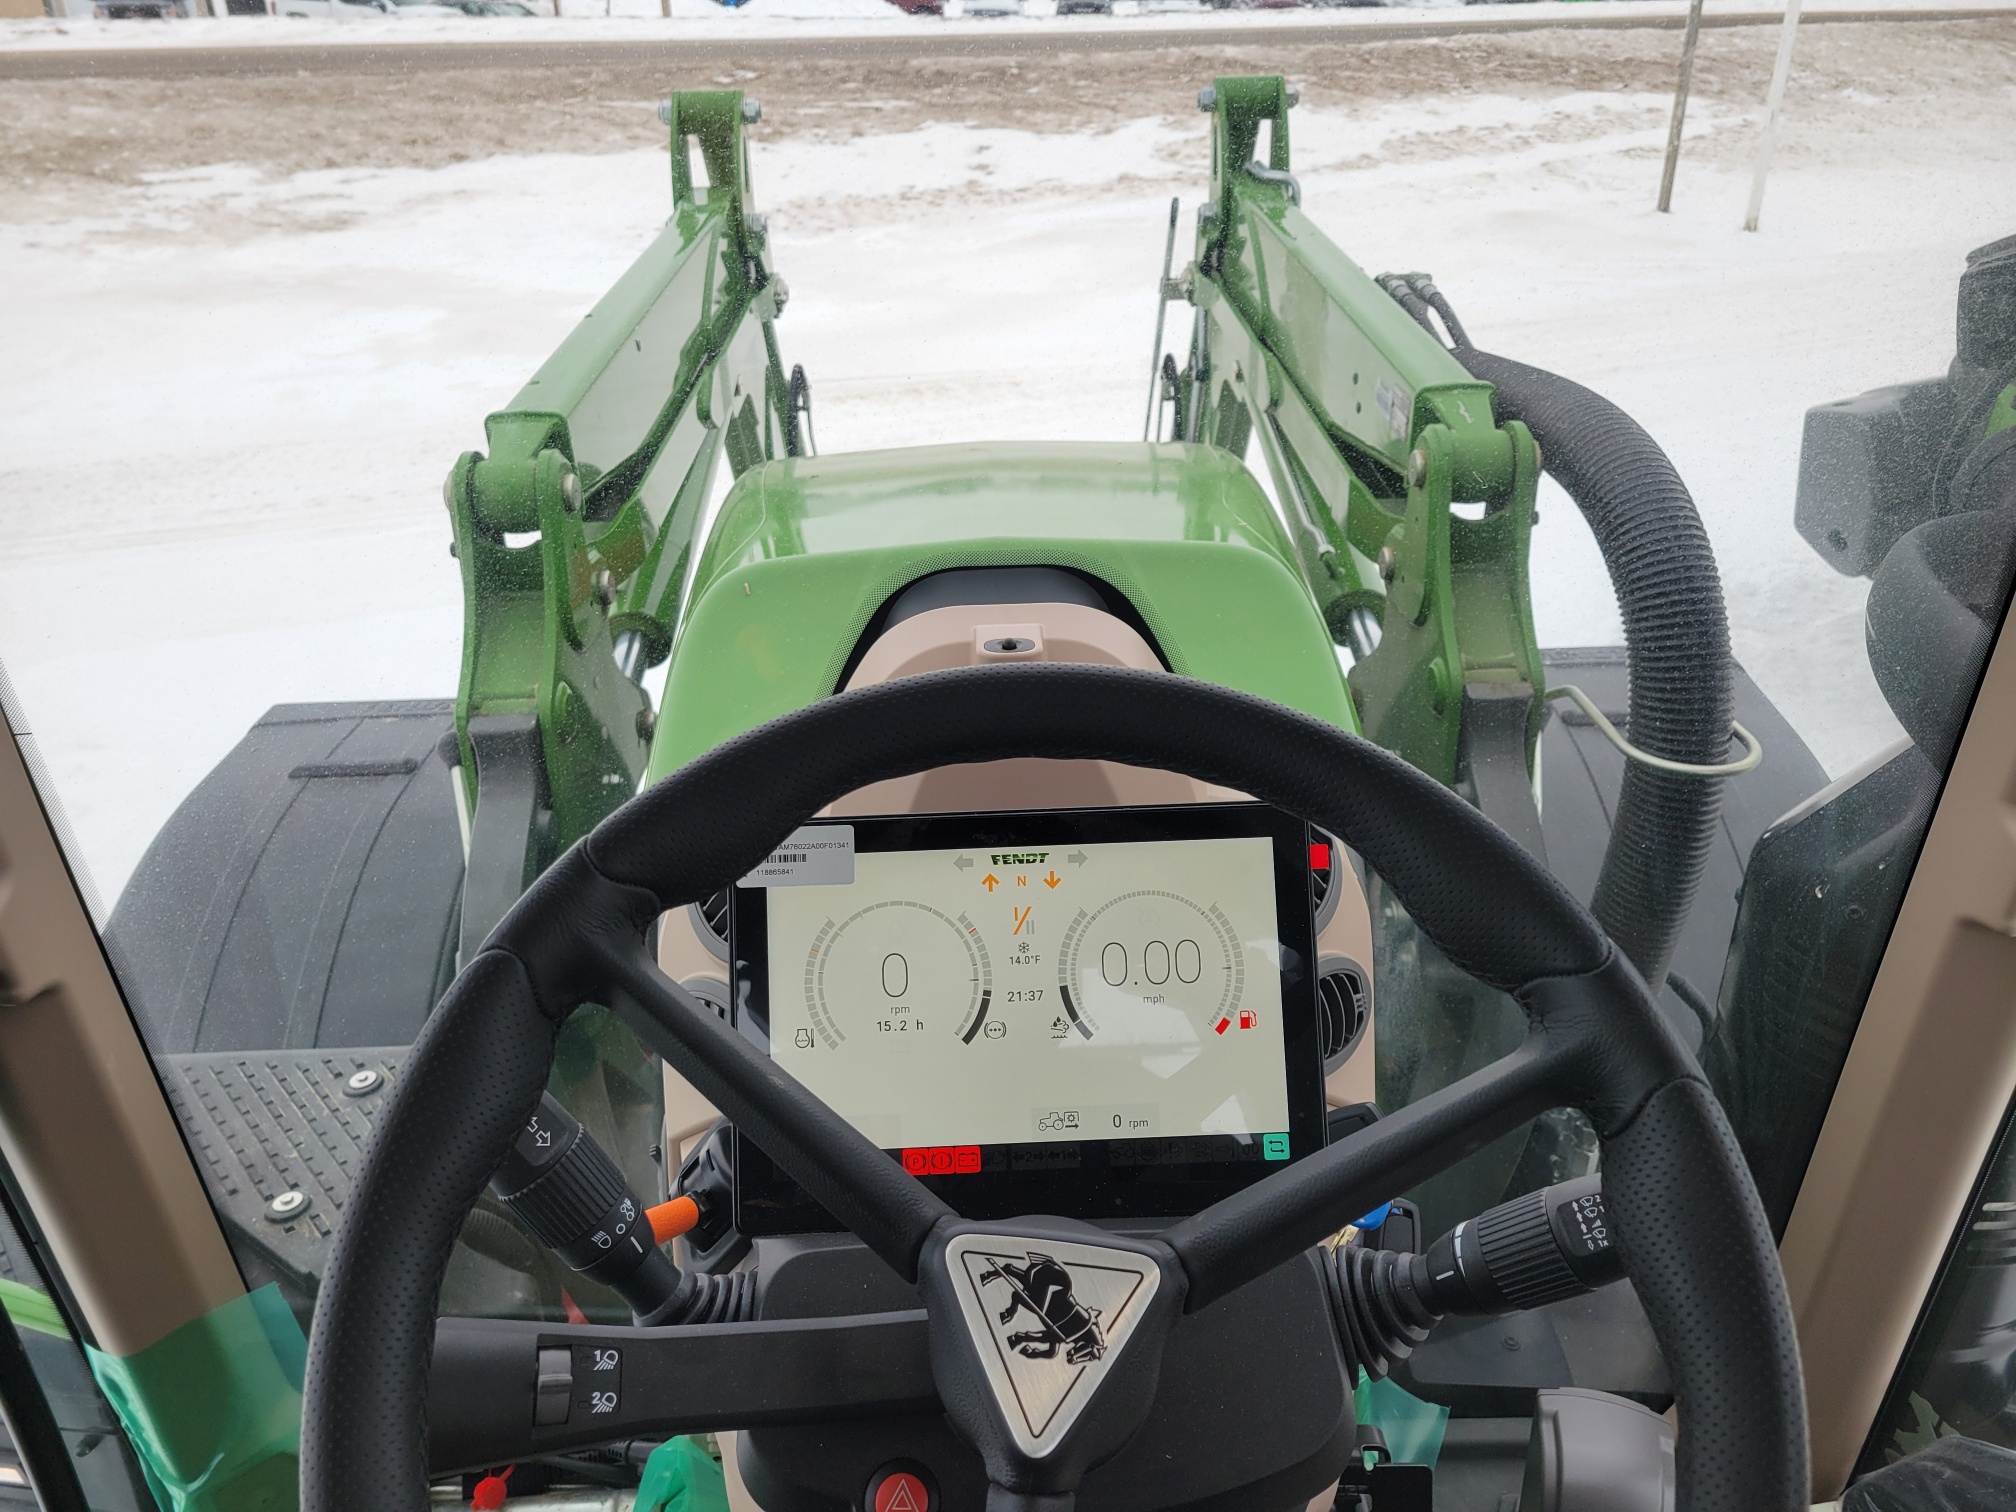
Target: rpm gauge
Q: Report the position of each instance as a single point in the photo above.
(1152, 964)
(897, 970)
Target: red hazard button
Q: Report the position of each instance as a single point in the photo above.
(893, 1490)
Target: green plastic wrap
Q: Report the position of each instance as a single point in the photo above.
(680, 1476)
(31, 1308)
(1412, 1428)
(213, 1410)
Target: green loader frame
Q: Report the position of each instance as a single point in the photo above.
(1407, 509)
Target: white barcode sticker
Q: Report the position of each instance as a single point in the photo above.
(815, 855)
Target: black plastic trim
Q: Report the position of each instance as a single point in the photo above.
(693, 1379)
(45, 1458)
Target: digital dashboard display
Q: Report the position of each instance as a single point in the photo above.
(1102, 998)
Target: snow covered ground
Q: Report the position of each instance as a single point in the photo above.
(640, 20)
(233, 397)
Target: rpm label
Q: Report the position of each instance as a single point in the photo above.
(897, 971)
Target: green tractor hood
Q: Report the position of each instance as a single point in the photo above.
(807, 550)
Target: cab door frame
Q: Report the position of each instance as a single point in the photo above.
(1928, 1079)
(85, 1127)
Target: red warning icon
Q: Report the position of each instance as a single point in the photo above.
(900, 1491)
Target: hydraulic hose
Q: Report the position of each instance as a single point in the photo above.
(1677, 635)
(1675, 629)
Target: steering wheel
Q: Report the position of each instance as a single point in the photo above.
(1690, 1227)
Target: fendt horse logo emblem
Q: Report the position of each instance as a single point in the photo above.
(1042, 1288)
(1047, 1318)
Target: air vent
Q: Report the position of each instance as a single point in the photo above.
(1345, 1008)
(710, 922)
(710, 991)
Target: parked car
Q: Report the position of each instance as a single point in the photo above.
(342, 10)
(405, 10)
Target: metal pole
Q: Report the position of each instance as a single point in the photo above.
(1680, 89)
(1779, 75)
(1161, 312)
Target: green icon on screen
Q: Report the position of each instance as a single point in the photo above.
(1274, 1146)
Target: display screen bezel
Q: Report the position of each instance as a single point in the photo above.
(768, 1202)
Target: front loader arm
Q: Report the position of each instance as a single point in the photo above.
(1373, 435)
(575, 532)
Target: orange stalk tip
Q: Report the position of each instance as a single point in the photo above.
(671, 1219)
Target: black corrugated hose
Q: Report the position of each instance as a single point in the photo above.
(1675, 628)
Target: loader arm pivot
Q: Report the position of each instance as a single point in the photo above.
(1373, 435)
(576, 531)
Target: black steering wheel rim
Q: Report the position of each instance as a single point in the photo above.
(1692, 1231)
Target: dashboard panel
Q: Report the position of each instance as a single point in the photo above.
(1091, 1013)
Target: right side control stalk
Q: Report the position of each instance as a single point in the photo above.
(1525, 1253)
(563, 1187)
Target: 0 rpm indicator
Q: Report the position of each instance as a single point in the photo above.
(1150, 963)
(897, 971)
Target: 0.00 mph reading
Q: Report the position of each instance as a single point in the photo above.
(1159, 961)
(1165, 967)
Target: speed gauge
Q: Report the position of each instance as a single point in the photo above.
(1148, 960)
(899, 970)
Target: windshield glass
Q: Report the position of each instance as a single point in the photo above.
(1648, 481)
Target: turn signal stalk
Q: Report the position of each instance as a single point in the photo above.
(563, 1187)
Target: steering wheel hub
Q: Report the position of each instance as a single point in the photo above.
(1047, 1340)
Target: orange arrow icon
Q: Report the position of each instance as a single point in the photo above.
(990, 882)
(1052, 880)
